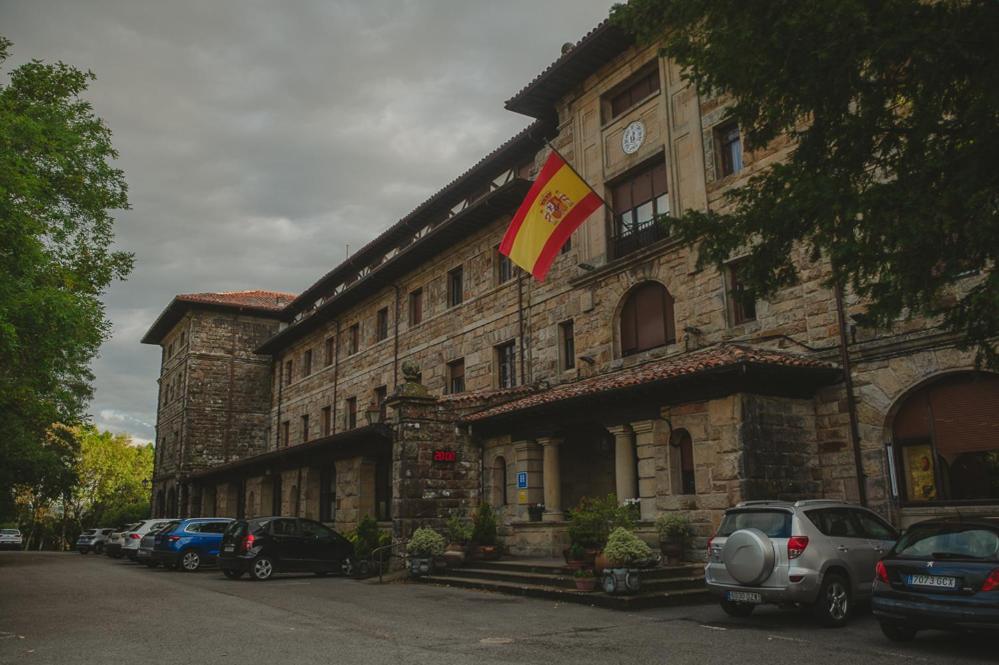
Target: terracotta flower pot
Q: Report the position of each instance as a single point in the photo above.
(585, 583)
(600, 563)
(672, 551)
(487, 552)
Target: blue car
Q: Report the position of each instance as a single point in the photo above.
(191, 543)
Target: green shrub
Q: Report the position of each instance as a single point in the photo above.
(426, 542)
(591, 521)
(624, 548)
(458, 530)
(674, 526)
(366, 537)
(484, 529)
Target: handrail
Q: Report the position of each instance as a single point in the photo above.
(379, 551)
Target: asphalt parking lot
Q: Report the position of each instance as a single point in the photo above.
(67, 608)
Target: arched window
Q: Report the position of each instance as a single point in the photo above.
(647, 319)
(499, 493)
(682, 462)
(946, 441)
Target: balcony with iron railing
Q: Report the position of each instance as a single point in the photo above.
(628, 239)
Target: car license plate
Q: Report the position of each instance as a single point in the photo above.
(932, 581)
(229, 548)
(744, 597)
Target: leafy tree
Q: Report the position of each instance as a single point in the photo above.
(111, 472)
(57, 188)
(891, 108)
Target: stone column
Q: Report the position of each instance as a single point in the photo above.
(552, 479)
(645, 444)
(529, 459)
(624, 462)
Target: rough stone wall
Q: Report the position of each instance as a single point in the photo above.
(779, 449)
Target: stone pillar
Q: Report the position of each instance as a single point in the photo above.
(529, 459)
(552, 479)
(645, 444)
(624, 462)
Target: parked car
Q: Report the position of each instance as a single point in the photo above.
(112, 547)
(132, 539)
(266, 545)
(10, 539)
(941, 574)
(148, 542)
(816, 554)
(92, 540)
(190, 544)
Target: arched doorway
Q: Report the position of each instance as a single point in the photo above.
(646, 319)
(586, 463)
(945, 441)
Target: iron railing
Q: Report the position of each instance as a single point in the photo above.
(633, 238)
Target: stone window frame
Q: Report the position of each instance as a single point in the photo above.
(507, 379)
(289, 367)
(380, 397)
(622, 312)
(726, 164)
(326, 420)
(736, 307)
(354, 338)
(504, 268)
(646, 75)
(681, 455)
(330, 350)
(566, 345)
(452, 366)
(305, 427)
(382, 324)
(350, 413)
(285, 433)
(416, 307)
(455, 286)
(306, 363)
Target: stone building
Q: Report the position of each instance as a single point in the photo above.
(628, 370)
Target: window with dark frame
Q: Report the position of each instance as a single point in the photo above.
(647, 319)
(506, 364)
(415, 307)
(382, 324)
(504, 268)
(381, 394)
(350, 412)
(286, 433)
(455, 286)
(288, 367)
(307, 362)
(729, 141)
(742, 305)
(328, 353)
(353, 339)
(305, 428)
(639, 87)
(456, 376)
(326, 420)
(567, 345)
(639, 200)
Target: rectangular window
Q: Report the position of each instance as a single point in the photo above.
(350, 412)
(504, 268)
(415, 307)
(506, 364)
(638, 202)
(353, 339)
(455, 287)
(286, 433)
(456, 376)
(287, 372)
(307, 362)
(640, 86)
(729, 143)
(328, 354)
(381, 324)
(326, 420)
(567, 345)
(305, 428)
(381, 394)
(742, 306)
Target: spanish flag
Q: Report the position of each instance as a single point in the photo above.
(558, 202)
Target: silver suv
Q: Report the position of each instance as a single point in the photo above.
(817, 554)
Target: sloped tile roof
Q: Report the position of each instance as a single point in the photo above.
(721, 356)
(461, 399)
(258, 299)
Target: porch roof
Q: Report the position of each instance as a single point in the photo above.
(359, 440)
(767, 371)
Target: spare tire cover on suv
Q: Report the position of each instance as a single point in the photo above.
(749, 556)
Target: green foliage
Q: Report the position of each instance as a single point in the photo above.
(890, 109)
(674, 526)
(591, 521)
(484, 526)
(426, 542)
(458, 530)
(366, 537)
(583, 572)
(624, 548)
(57, 186)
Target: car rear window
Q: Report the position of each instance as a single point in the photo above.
(236, 530)
(950, 541)
(89, 532)
(9, 532)
(774, 523)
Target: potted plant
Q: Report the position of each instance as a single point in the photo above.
(366, 538)
(627, 554)
(674, 530)
(535, 511)
(585, 580)
(590, 523)
(484, 531)
(459, 532)
(574, 556)
(423, 546)
(633, 509)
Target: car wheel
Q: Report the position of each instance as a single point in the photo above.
(232, 574)
(832, 607)
(347, 566)
(262, 568)
(898, 632)
(190, 561)
(733, 609)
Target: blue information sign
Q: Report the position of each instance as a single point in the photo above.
(522, 480)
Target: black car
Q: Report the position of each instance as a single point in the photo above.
(941, 574)
(266, 545)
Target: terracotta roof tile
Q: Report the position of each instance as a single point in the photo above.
(269, 300)
(715, 357)
(485, 395)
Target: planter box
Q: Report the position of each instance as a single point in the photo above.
(621, 580)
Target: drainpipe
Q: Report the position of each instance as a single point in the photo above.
(851, 404)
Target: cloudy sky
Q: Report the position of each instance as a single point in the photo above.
(260, 138)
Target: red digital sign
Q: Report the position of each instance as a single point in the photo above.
(445, 456)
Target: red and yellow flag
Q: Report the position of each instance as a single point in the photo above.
(558, 202)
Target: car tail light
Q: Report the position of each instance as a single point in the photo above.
(796, 546)
(881, 572)
(173, 539)
(248, 542)
(134, 536)
(992, 581)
